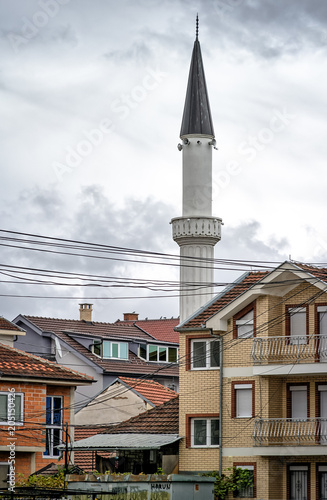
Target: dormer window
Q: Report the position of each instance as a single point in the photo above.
(158, 353)
(110, 350)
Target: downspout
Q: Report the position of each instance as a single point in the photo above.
(220, 400)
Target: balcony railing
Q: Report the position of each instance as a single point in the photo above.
(290, 348)
(288, 431)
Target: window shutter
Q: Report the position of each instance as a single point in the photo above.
(244, 402)
(299, 404)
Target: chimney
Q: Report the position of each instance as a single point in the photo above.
(85, 312)
(131, 316)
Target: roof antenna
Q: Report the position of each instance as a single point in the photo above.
(197, 27)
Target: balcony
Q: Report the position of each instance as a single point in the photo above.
(287, 436)
(308, 351)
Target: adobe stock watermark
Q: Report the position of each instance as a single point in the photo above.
(11, 412)
(122, 106)
(248, 150)
(31, 26)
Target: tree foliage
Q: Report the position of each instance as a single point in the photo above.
(232, 482)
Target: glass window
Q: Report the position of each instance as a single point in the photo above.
(153, 352)
(205, 354)
(106, 349)
(143, 351)
(298, 325)
(11, 408)
(172, 354)
(53, 425)
(298, 482)
(124, 350)
(162, 354)
(299, 402)
(204, 432)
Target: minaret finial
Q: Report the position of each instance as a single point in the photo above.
(197, 27)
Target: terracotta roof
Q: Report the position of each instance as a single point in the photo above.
(153, 391)
(131, 367)
(15, 363)
(5, 324)
(224, 298)
(162, 419)
(160, 329)
(318, 272)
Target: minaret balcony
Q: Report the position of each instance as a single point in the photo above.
(206, 229)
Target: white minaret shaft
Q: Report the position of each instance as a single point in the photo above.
(196, 232)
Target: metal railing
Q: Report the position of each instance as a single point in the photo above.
(290, 348)
(288, 431)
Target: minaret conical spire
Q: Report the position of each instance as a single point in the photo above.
(197, 115)
(196, 231)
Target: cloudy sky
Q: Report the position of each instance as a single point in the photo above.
(92, 94)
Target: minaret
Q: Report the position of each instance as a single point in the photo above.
(197, 231)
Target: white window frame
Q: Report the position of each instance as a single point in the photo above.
(249, 322)
(14, 422)
(208, 432)
(110, 342)
(208, 343)
(237, 389)
(49, 428)
(158, 346)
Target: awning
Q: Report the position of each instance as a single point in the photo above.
(123, 442)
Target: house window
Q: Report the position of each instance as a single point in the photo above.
(247, 491)
(4, 471)
(204, 432)
(296, 325)
(53, 425)
(298, 402)
(158, 353)
(205, 354)
(244, 323)
(110, 350)
(11, 408)
(298, 482)
(242, 400)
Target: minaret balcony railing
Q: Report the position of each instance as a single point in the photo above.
(202, 227)
(289, 349)
(290, 432)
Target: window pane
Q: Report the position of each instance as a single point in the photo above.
(18, 408)
(214, 353)
(114, 350)
(3, 407)
(143, 351)
(56, 411)
(172, 354)
(48, 411)
(247, 491)
(200, 432)
(97, 348)
(47, 442)
(214, 432)
(245, 325)
(106, 349)
(244, 402)
(199, 354)
(56, 441)
(153, 353)
(124, 350)
(162, 354)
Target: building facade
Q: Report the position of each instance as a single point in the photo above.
(253, 384)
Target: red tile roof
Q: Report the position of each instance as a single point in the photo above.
(15, 363)
(162, 419)
(153, 391)
(160, 329)
(86, 459)
(5, 324)
(133, 366)
(223, 299)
